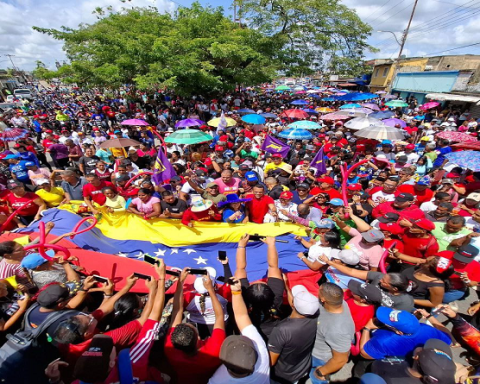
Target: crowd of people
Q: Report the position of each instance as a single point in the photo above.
(393, 247)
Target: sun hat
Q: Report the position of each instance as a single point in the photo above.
(304, 302)
(231, 198)
(402, 321)
(198, 283)
(286, 167)
(200, 205)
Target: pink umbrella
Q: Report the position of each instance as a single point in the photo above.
(429, 105)
(457, 137)
(12, 134)
(300, 92)
(392, 122)
(372, 106)
(332, 116)
(134, 122)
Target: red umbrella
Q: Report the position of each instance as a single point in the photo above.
(457, 137)
(13, 134)
(473, 146)
(294, 114)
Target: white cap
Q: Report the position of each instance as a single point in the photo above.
(198, 284)
(304, 302)
(132, 149)
(348, 257)
(450, 119)
(42, 181)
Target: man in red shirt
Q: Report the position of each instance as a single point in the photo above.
(420, 190)
(260, 205)
(326, 186)
(402, 205)
(92, 192)
(194, 360)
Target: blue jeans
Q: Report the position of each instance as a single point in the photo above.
(315, 364)
(453, 295)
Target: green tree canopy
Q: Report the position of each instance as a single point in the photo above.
(196, 50)
(320, 35)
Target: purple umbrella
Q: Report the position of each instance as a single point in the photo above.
(373, 106)
(134, 122)
(189, 123)
(393, 121)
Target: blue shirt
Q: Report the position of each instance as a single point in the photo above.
(387, 343)
(229, 212)
(20, 171)
(29, 156)
(297, 199)
(441, 156)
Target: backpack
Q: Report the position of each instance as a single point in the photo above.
(24, 349)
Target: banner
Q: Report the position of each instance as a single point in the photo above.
(163, 170)
(318, 163)
(273, 145)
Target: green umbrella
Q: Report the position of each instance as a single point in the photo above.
(396, 104)
(188, 136)
(283, 88)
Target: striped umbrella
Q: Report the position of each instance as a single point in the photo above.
(296, 134)
(363, 122)
(380, 132)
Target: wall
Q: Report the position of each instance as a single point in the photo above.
(425, 81)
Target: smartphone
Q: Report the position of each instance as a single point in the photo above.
(256, 237)
(141, 276)
(172, 273)
(100, 279)
(418, 315)
(195, 271)
(231, 281)
(436, 311)
(457, 273)
(150, 259)
(222, 255)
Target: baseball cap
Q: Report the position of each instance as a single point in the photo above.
(425, 224)
(52, 294)
(474, 196)
(435, 360)
(413, 214)
(277, 155)
(325, 223)
(354, 187)
(327, 180)
(386, 142)
(466, 253)
(393, 228)
(200, 173)
(304, 302)
(447, 181)
(122, 178)
(425, 180)
(286, 195)
(348, 257)
(303, 186)
(244, 167)
(14, 184)
(133, 149)
(373, 236)
(11, 156)
(198, 283)
(42, 181)
(94, 364)
(400, 320)
(30, 164)
(251, 176)
(337, 202)
(410, 146)
(389, 217)
(452, 175)
(402, 159)
(34, 260)
(369, 292)
(425, 138)
(219, 148)
(239, 355)
(212, 185)
(404, 197)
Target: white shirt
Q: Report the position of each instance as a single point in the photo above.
(317, 250)
(428, 207)
(290, 208)
(382, 195)
(472, 225)
(261, 375)
(412, 157)
(208, 317)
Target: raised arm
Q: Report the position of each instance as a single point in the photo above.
(239, 308)
(217, 307)
(152, 285)
(157, 309)
(107, 305)
(344, 269)
(177, 312)
(362, 226)
(272, 258)
(241, 272)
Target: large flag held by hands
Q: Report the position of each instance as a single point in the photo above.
(318, 163)
(273, 145)
(163, 170)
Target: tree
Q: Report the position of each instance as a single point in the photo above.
(196, 50)
(320, 35)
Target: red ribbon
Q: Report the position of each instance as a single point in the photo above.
(345, 173)
(12, 216)
(136, 177)
(79, 224)
(42, 246)
(381, 264)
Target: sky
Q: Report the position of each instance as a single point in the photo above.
(438, 26)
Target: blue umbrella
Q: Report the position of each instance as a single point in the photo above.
(296, 134)
(347, 106)
(245, 111)
(269, 115)
(311, 111)
(356, 96)
(382, 115)
(300, 102)
(328, 99)
(254, 119)
(465, 159)
(304, 124)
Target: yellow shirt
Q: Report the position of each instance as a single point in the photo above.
(118, 152)
(272, 166)
(52, 198)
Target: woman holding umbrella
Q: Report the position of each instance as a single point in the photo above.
(235, 211)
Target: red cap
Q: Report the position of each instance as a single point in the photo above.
(354, 187)
(95, 129)
(327, 180)
(277, 155)
(393, 228)
(223, 138)
(48, 131)
(286, 195)
(219, 148)
(16, 146)
(452, 175)
(410, 146)
(208, 161)
(443, 264)
(414, 214)
(425, 224)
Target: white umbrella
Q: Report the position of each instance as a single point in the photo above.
(380, 132)
(350, 112)
(363, 122)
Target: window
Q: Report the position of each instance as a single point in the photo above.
(376, 72)
(385, 71)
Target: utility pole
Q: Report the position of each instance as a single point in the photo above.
(402, 44)
(10, 57)
(236, 14)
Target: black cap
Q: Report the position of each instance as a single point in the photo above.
(435, 360)
(244, 167)
(404, 197)
(303, 186)
(369, 292)
(466, 253)
(122, 178)
(52, 295)
(389, 217)
(200, 173)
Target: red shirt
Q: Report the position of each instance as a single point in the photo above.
(104, 176)
(422, 196)
(383, 208)
(258, 208)
(16, 202)
(47, 143)
(361, 315)
(472, 269)
(333, 193)
(198, 368)
(95, 193)
(419, 247)
(188, 215)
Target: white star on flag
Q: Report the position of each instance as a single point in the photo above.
(160, 253)
(200, 260)
(121, 254)
(174, 250)
(189, 250)
(139, 255)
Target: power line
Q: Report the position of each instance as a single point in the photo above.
(407, 6)
(378, 9)
(452, 49)
(388, 10)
